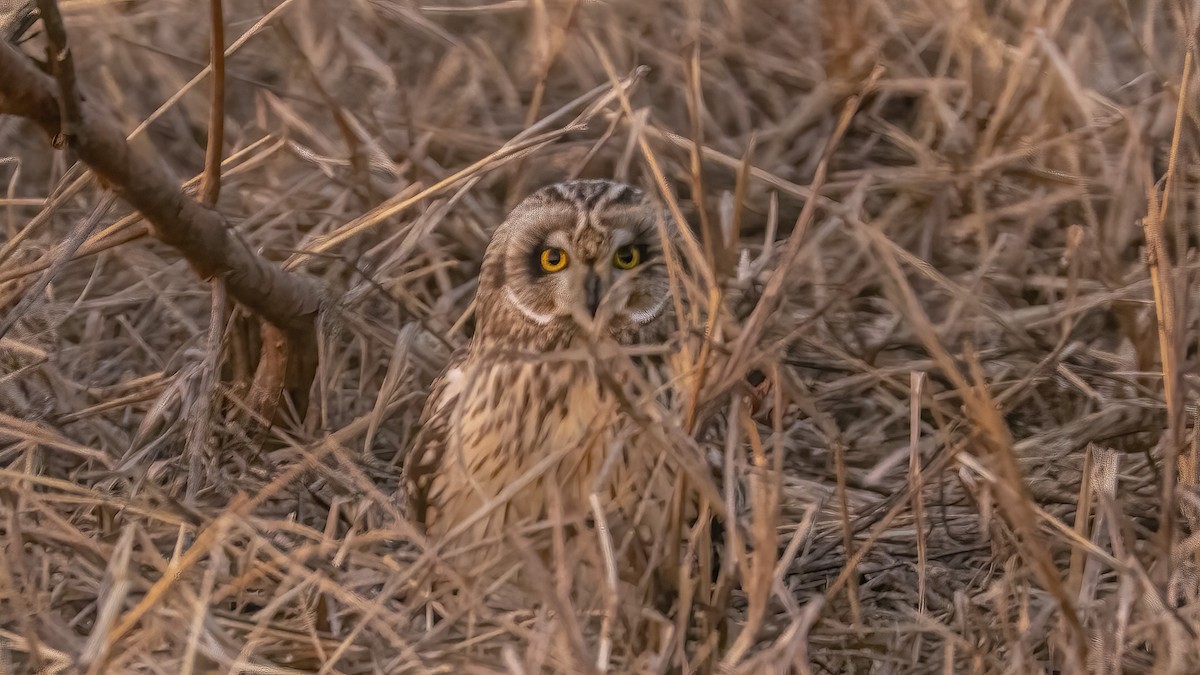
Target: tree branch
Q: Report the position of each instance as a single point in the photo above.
(289, 302)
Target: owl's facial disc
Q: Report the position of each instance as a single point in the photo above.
(600, 279)
(586, 253)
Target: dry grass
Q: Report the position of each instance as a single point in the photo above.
(980, 391)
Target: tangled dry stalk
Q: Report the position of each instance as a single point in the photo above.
(958, 239)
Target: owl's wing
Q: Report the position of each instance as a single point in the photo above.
(424, 456)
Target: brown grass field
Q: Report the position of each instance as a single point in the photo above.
(957, 237)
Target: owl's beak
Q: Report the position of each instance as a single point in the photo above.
(591, 289)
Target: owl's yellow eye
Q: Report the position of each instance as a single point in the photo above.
(627, 257)
(553, 259)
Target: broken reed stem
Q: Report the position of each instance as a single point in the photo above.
(844, 518)
(916, 387)
(741, 185)
(1161, 279)
(611, 599)
(1169, 316)
(1083, 512)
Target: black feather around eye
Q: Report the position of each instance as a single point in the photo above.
(535, 262)
(548, 255)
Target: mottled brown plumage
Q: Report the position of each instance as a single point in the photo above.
(528, 420)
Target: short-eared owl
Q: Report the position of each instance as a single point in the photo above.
(528, 425)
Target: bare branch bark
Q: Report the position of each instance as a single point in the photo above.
(290, 302)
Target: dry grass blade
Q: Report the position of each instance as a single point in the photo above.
(66, 252)
(770, 299)
(917, 488)
(117, 586)
(992, 434)
(527, 142)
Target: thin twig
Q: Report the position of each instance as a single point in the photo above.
(210, 185)
(62, 62)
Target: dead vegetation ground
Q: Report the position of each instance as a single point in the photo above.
(982, 393)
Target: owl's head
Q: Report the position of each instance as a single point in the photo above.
(581, 253)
